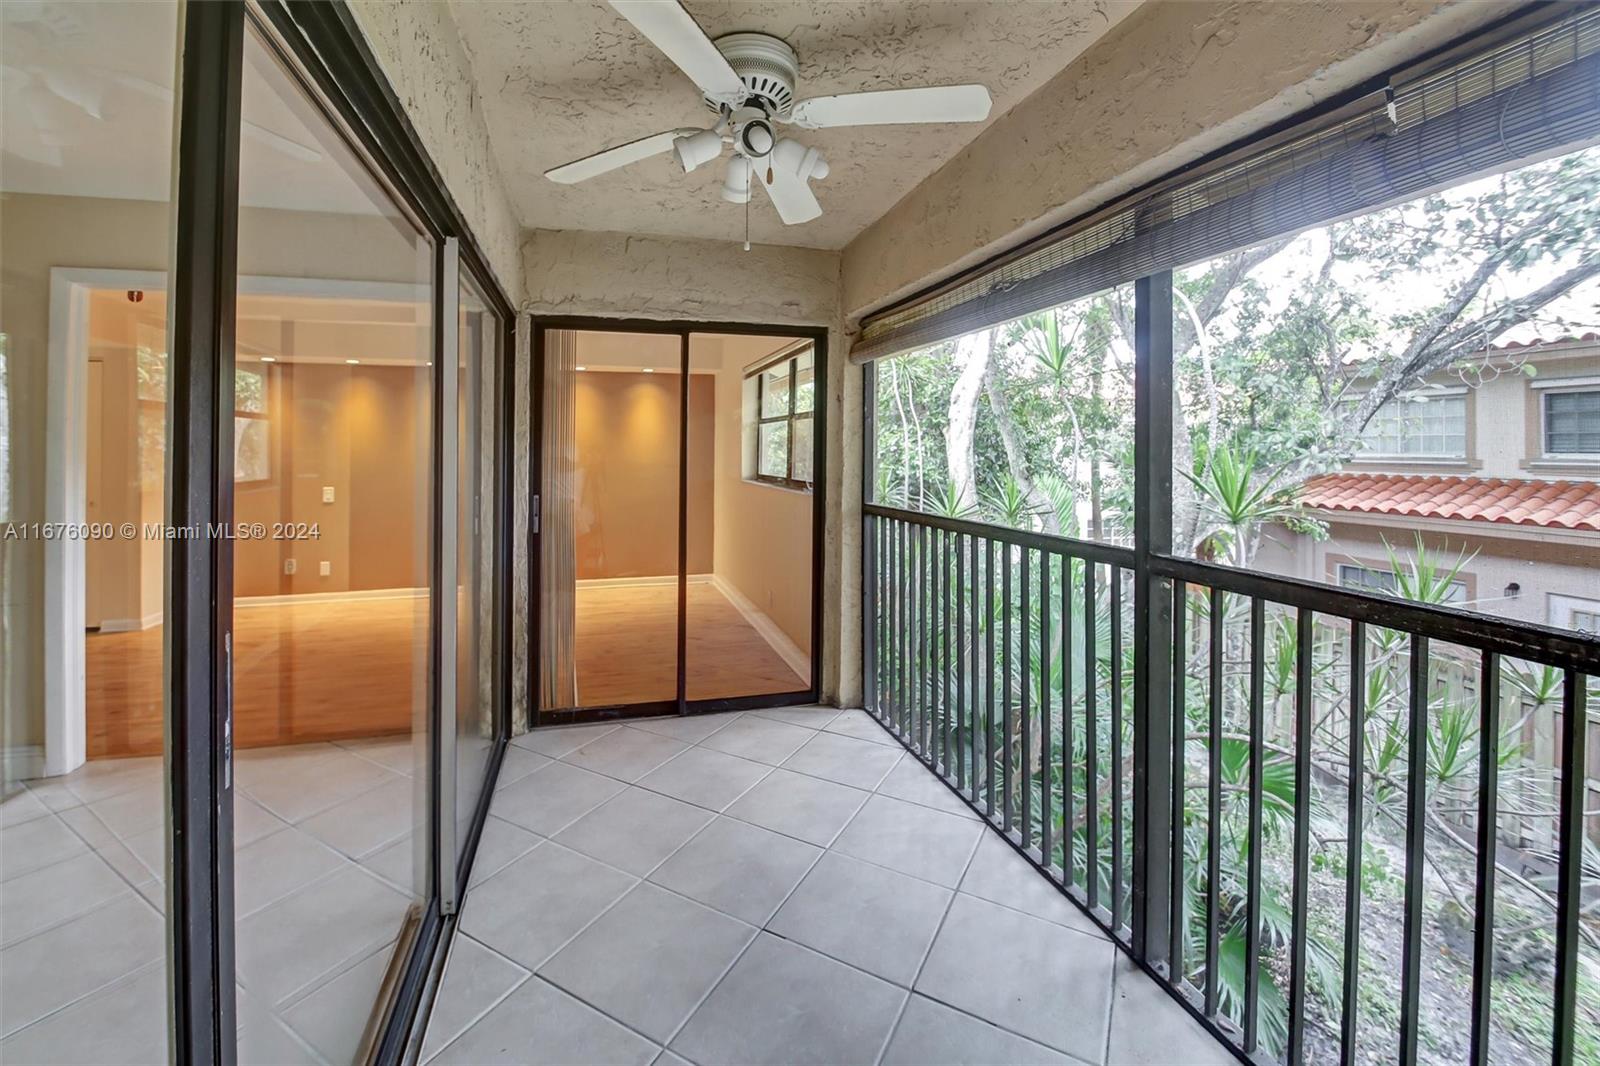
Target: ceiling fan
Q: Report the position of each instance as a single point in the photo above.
(749, 80)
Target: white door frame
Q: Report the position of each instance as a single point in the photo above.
(66, 458)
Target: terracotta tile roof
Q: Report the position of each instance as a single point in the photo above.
(1541, 342)
(1562, 504)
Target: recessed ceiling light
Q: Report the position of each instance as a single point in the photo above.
(353, 362)
(649, 370)
(269, 359)
(580, 368)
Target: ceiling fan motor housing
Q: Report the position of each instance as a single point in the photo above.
(767, 66)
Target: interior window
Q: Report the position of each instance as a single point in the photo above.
(785, 393)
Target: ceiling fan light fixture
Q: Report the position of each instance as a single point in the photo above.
(756, 138)
(697, 149)
(736, 185)
(794, 157)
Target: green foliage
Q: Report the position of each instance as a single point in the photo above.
(1234, 489)
(1424, 577)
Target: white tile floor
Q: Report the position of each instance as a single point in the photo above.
(322, 869)
(775, 886)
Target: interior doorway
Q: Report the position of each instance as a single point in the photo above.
(679, 517)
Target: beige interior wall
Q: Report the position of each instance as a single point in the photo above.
(763, 546)
(333, 425)
(362, 431)
(627, 443)
(1171, 83)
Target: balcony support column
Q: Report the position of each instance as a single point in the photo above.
(1152, 620)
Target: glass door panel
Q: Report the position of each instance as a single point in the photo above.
(86, 180)
(334, 500)
(623, 501)
(479, 334)
(748, 629)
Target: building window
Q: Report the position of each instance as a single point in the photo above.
(785, 400)
(1572, 423)
(1575, 613)
(252, 451)
(252, 445)
(1384, 582)
(1431, 427)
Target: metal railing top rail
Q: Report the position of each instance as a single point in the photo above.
(1111, 554)
(1519, 640)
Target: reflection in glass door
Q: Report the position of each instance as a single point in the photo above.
(334, 460)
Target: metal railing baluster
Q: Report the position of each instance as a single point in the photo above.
(1488, 826)
(1416, 842)
(1024, 642)
(1118, 851)
(1068, 799)
(1007, 782)
(1300, 897)
(1354, 831)
(1180, 738)
(1045, 730)
(1252, 932)
(1569, 876)
(1214, 807)
(1091, 741)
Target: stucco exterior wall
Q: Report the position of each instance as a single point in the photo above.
(1170, 84)
(1542, 563)
(614, 275)
(417, 45)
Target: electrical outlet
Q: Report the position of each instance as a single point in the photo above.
(325, 568)
(290, 566)
(327, 494)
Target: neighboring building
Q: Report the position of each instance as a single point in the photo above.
(1506, 471)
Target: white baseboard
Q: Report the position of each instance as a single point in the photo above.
(130, 625)
(22, 763)
(770, 632)
(640, 582)
(330, 597)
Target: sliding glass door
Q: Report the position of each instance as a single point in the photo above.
(332, 610)
(252, 661)
(677, 519)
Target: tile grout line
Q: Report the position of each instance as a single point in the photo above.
(527, 975)
(762, 928)
(911, 989)
(117, 981)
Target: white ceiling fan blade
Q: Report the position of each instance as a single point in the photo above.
(591, 166)
(670, 28)
(791, 195)
(936, 103)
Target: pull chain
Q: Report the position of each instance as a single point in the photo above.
(747, 209)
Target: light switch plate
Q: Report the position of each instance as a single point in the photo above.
(327, 494)
(290, 566)
(325, 568)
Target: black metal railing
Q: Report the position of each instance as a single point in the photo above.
(1334, 771)
(996, 656)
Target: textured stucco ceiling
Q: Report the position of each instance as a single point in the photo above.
(562, 80)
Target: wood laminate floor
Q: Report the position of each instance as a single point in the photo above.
(627, 647)
(302, 672)
(347, 669)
